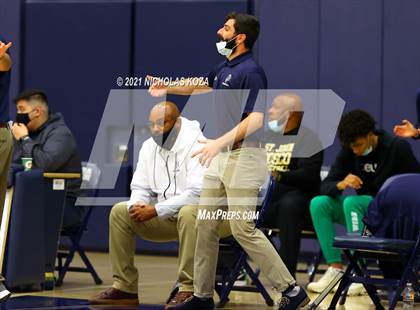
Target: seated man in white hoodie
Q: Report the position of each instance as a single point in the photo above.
(166, 172)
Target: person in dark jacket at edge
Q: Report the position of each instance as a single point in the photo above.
(45, 138)
(368, 158)
(399, 190)
(294, 157)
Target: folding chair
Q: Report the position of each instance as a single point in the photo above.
(400, 220)
(225, 281)
(90, 179)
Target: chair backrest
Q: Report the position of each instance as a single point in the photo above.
(266, 193)
(395, 211)
(90, 179)
(25, 255)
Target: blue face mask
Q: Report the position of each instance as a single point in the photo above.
(279, 125)
(275, 126)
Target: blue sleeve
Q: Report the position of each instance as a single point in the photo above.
(212, 75)
(256, 83)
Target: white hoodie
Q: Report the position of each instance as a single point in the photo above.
(173, 177)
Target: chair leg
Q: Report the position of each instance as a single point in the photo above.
(370, 289)
(227, 287)
(343, 297)
(327, 290)
(258, 284)
(88, 265)
(59, 264)
(342, 287)
(406, 276)
(218, 289)
(65, 267)
(174, 291)
(316, 263)
(394, 299)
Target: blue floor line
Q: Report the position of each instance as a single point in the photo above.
(44, 303)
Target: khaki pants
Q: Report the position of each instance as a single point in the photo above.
(6, 147)
(122, 234)
(232, 183)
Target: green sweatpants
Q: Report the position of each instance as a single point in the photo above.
(345, 210)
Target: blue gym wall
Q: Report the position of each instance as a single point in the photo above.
(367, 51)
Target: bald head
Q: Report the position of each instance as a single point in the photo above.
(287, 107)
(288, 102)
(165, 123)
(165, 109)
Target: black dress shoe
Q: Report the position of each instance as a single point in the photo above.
(195, 303)
(293, 298)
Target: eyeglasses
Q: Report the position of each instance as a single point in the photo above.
(161, 123)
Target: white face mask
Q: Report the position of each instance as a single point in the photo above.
(368, 151)
(223, 50)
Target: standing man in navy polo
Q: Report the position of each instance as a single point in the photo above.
(236, 162)
(6, 141)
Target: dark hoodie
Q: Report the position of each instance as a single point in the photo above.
(53, 149)
(391, 156)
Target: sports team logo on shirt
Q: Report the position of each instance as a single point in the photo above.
(228, 78)
(370, 168)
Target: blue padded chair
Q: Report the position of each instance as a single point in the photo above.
(90, 179)
(25, 233)
(394, 219)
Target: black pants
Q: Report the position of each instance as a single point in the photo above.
(289, 212)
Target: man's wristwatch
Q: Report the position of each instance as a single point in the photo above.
(24, 138)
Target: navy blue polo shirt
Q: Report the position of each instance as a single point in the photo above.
(238, 83)
(4, 92)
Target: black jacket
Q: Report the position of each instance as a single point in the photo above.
(303, 172)
(394, 155)
(53, 149)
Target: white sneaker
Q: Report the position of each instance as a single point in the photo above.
(4, 293)
(322, 283)
(355, 289)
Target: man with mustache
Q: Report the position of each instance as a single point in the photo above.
(236, 160)
(166, 172)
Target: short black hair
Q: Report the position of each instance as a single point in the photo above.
(246, 24)
(32, 94)
(355, 124)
